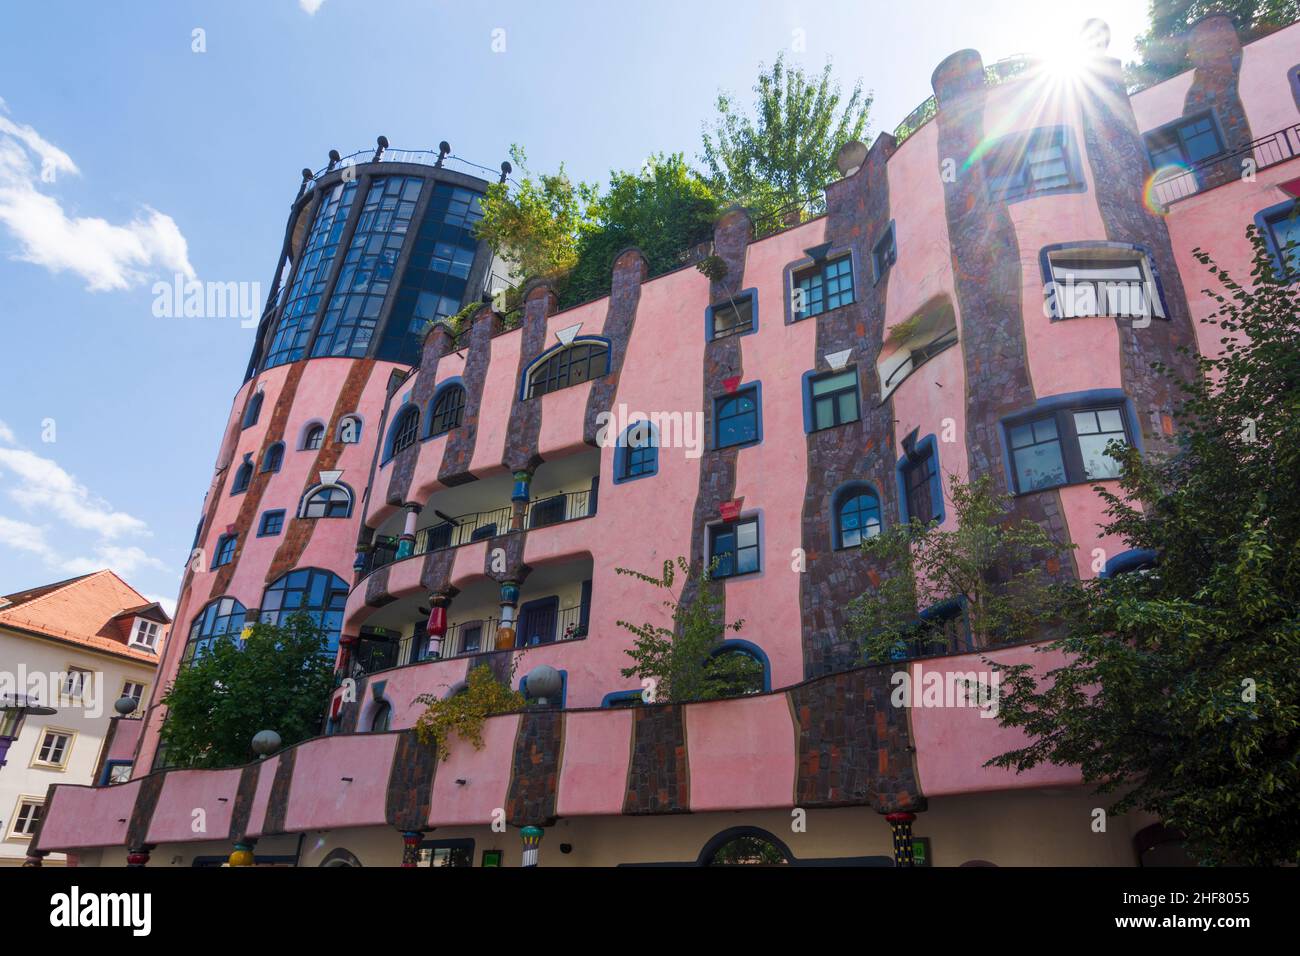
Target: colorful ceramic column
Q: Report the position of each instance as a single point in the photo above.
(411, 848)
(243, 853)
(406, 543)
(519, 499)
(901, 824)
(347, 643)
(506, 628)
(138, 855)
(437, 626)
(532, 837)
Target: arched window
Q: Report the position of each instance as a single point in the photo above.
(382, 717)
(349, 430)
(243, 475)
(568, 365)
(857, 515)
(637, 453)
(253, 411)
(745, 846)
(273, 458)
(406, 429)
(738, 669)
(222, 618)
(313, 438)
(448, 410)
(327, 501)
(318, 593)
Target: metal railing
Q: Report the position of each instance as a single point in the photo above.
(419, 157)
(1227, 166)
(476, 526)
(1003, 71)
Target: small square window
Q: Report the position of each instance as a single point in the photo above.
(75, 682)
(27, 816)
(53, 750)
(145, 633)
(734, 546)
(885, 253)
(825, 286)
(119, 773)
(134, 690)
(1066, 446)
(733, 317)
(834, 399)
(1185, 142)
(736, 418)
(272, 524)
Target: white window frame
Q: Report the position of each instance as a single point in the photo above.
(60, 764)
(1115, 302)
(141, 684)
(143, 627)
(118, 768)
(67, 691)
(24, 800)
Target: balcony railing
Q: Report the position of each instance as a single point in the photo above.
(464, 638)
(476, 526)
(1229, 166)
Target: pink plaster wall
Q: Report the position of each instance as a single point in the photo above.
(741, 753)
(318, 796)
(262, 795)
(187, 791)
(486, 774)
(88, 816)
(593, 768)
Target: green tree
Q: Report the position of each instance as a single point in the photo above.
(663, 211)
(784, 154)
(1002, 571)
(278, 678)
(1181, 693)
(681, 660)
(1162, 50)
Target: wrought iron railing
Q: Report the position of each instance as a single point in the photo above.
(1004, 70)
(476, 526)
(1227, 166)
(419, 157)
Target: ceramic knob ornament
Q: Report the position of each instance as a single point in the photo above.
(543, 684)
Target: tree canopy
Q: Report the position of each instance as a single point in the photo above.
(1162, 50)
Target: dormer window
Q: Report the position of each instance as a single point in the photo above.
(144, 634)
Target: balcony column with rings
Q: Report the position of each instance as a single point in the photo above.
(519, 499)
(406, 543)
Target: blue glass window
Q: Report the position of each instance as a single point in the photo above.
(1023, 165)
(406, 429)
(311, 277)
(1066, 446)
(1284, 234)
(273, 458)
(243, 475)
(253, 411)
(272, 524)
(919, 473)
(736, 418)
(734, 545)
(320, 594)
(222, 618)
(1184, 143)
(314, 438)
(225, 552)
(572, 365)
(825, 286)
(447, 410)
(637, 453)
(857, 516)
(369, 266)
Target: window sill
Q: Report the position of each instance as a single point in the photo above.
(1065, 484)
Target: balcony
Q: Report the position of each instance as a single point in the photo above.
(1226, 167)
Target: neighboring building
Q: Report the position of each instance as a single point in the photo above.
(843, 369)
(68, 652)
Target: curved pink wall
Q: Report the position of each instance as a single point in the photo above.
(742, 753)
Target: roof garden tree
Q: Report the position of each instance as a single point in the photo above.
(783, 154)
(1181, 694)
(278, 677)
(1162, 50)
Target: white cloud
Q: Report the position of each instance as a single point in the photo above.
(105, 255)
(21, 536)
(44, 486)
(168, 604)
(310, 6)
(6, 434)
(126, 561)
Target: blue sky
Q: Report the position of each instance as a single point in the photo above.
(126, 157)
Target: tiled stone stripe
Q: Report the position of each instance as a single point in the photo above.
(526, 414)
(624, 295)
(857, 215)
(1214, 48)
(146, 801)
(299, 530)
(853, 745)
(722, 359)
(350, 712)
(658, 780)
(402, 467)
(250, 506)
(377, 588)
(987, 280)
(1118, 160)
(277, 804)
(535, 768)
(459, 450)
(242, 810)
(410, 783)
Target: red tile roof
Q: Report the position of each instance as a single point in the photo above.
(82, 610)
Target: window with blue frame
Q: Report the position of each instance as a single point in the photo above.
(320, 594)
(637, 453)
(919, 471)
(328, 501)
(1185, 142)
(272, 523)
(834, 398)
(222, 618)
(314, 438)
(733, 545)
(857, 515)
(311, 276)
(448, 410)
(738, 671)
(225, 550)
(368, 267)
(253, 411)
(570, 365)
(243, 475)
(406, 430)
(274, 458)
(1065, 446)
(733, 317)
(825, 286)
(1281, 227)
(1034, 163)
(884, 253)
(736, 418)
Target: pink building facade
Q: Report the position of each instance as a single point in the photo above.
(983, 296)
